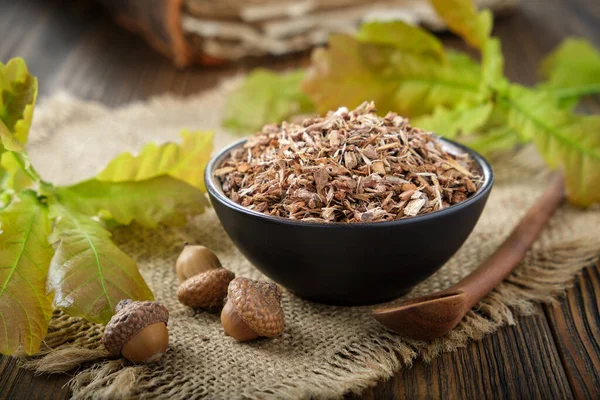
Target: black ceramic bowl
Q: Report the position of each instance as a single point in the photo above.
(349, 264)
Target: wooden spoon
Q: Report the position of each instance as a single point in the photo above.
(431, 316)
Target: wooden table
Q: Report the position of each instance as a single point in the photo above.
(555, 354)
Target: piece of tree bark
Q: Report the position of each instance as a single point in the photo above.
(214, 32)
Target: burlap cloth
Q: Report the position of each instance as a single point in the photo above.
(325, 351)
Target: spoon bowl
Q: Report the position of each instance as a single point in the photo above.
(425, 317)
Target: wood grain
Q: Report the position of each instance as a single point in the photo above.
(576, 329)
(74, 46)
(519, 362)
(18, 383)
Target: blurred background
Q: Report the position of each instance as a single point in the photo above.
(89, 48)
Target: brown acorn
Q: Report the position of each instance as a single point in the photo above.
(138, 331)
(253, 309)
(194, 260)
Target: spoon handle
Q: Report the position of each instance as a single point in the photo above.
(501, 263)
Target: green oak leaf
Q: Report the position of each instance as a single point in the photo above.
(89, 274)
(565, 140)
(5, 199)
(266, 97)
(471, 118)
(25, 308)
(3, 173)
(148, 202)
(572, 70)
(460, 120)
(15, 177)
(462, 18)
(492, 66)
(401, 36)
(18, 93)
(5, 192)
(493, 141)
(185, 161)
(350, 72)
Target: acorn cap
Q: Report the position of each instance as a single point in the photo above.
(205, 290)
(129, 319)
(258, 303)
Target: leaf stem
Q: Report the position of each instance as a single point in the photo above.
(23, 160)
(576, 91)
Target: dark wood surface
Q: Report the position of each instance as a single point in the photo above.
(74, 46)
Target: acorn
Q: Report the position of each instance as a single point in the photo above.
(138, 331)
(195, 259)
(206, 290)
(253, 309)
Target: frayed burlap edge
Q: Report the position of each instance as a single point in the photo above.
(546, 275)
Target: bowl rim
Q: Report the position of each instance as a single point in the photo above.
(215, 192)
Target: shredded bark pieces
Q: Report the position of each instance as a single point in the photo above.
(350, 166)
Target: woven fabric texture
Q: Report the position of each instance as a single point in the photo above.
(325, 351)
